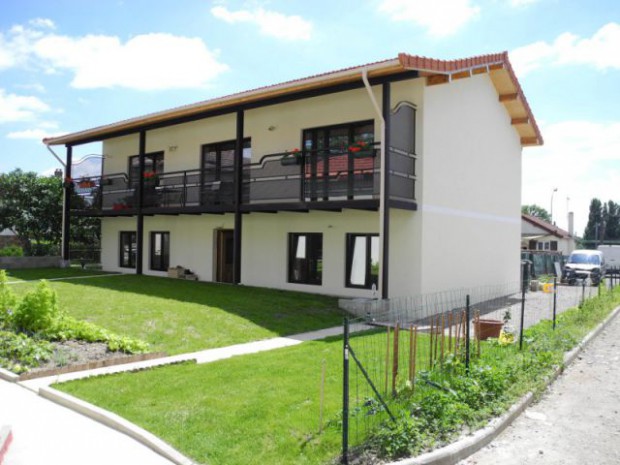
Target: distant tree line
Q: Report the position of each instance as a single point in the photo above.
(603, 224)
(31, 207)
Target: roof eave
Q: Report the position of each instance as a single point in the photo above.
(290, 87)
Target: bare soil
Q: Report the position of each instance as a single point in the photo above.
(69, 353)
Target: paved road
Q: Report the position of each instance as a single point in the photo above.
(577, 422)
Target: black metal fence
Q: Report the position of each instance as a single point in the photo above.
(404, 339)
(298, 176)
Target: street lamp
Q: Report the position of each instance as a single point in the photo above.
(555, 189)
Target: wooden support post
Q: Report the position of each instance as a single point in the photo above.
(477, 331)
(395, 359)
(436, 338)
(430, 352)
(415, 354)
(450, 332)
(411, 362)
(322, 397)
(387, 359)
(443, 336)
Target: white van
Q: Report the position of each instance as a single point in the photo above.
(583, 264)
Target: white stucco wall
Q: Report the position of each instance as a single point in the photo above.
(466, 232)
(470, 192)
(265, 245)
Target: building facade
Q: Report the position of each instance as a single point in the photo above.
(388, 179)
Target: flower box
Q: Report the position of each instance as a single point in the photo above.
(290, 160)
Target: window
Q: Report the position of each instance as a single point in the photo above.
(331, 169)
(362, 260)
(128, 249)
(305, 258)
(153, 162)
(338, 138)
(218, 170)
(160, 251)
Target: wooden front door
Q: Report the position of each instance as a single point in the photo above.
(224, 256)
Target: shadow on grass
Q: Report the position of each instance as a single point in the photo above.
(280, 312)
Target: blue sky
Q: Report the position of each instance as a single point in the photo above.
(69, 65)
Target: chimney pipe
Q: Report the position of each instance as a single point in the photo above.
(571, 224)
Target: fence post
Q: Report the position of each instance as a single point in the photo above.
(555, 298)
(522, 318)
(583, 292)
(467, 317)
(345, 394)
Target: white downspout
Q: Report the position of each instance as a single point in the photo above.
(382, 179)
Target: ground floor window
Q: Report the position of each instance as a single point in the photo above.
(362, 253)
(128, 249)
(305, 258)
(160, 251)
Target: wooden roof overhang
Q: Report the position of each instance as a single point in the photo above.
(403, 67)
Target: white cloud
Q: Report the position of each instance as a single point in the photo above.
(522, 3)
(36, 134)
(144, 62)
(580, 159)
(15, 108)
(440, 17)
(599, 51)
(270, 23)
(43, 23)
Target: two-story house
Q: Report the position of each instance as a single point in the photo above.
(387, 179)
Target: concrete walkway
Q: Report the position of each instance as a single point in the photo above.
(203, 356)
(45, 432)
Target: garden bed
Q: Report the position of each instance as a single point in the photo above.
(72, 356)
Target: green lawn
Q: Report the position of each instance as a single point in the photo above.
(256, 409)
(264, 408)
(178, 316)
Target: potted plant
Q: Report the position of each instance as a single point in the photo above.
(292, 157)
(362, 149)
(488, 327)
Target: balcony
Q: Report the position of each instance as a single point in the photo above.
(282, 181)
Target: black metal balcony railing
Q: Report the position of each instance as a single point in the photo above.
(299, 177)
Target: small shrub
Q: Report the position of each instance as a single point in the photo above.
(7, 301)
(38, 310)
(19, 353)
(67, 327)
(11, 251)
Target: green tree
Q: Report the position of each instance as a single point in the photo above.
(537, 211)
(31, 206)
(592, 234)
(612, 222)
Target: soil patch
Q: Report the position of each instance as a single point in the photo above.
(71, 356)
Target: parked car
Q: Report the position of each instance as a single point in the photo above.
(584, 264)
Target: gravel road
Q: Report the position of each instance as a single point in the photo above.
(577, 421)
